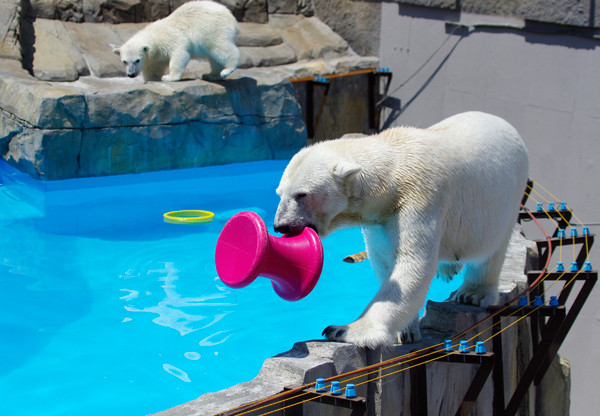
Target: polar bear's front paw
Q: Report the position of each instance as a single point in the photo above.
(410, 333)
(335, 333)
(170, 78)
(360, 334)
(478, 296)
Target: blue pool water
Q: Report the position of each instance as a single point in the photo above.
(106, 309)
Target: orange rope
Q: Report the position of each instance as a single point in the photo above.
(344, 74)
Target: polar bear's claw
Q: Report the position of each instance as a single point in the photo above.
(482, 298)
(334, 333)
(410, 334)
(359, 333)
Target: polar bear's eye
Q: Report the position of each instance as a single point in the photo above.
(300, 195)
(137, 61)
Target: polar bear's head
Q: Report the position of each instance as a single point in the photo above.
(315, 192)
(133, 56)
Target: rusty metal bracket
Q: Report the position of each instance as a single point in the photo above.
(294, 405)
(312, 122)
(377, 98)
(418, 376)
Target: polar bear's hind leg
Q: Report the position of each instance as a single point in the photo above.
(223, 61)
(480, 286)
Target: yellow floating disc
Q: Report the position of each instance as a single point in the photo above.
(188, 217)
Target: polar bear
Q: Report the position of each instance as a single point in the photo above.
(198, 29)
(428, 200)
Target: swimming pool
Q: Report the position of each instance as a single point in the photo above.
(106, 309)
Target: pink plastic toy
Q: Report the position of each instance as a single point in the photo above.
(245, 250)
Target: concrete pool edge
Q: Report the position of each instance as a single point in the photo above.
(311, 359)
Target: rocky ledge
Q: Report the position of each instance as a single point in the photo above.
(67, 110)
(389, 392)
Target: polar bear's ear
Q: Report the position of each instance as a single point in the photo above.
(117, 51)
(345, 171)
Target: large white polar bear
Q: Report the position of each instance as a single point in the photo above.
(198, 29)
(427, 200)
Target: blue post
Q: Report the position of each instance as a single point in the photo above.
(320, 386)
(587, 266)
(523, 301)
(463, 347)
(553, 301)
(448, 345)
(538, 301)
(480, 347)
(574, 266)
(350, 391)
(560, 267)
(335, 390)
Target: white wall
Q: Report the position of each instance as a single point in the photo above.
(547, 86)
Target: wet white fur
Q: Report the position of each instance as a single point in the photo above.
(197, 29)
(447, 194)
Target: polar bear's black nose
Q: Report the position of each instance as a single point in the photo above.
(131, 75)
(283, 229)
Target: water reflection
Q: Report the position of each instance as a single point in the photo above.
(184, 314)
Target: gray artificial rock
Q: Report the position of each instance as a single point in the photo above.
(442, 4)
(491, 7)
(255, 11)
(304, 7)
(258, 35)
(248, 10)
(267, 56)
(64, 51)
(564, 12)
(80, 116)
(95, 42)
(558, 379)
(309, 37)
(10, 15)
(111, 126)
(356, 22)
(56, 58)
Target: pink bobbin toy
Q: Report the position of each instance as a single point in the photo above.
(245, 250)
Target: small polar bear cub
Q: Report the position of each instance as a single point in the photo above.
(198, 29)
(428, 200)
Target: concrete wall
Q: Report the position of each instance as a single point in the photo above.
(545, 84)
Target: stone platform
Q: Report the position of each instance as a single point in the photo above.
(389, 392)
(67, 110)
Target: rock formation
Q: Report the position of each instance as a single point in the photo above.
(67, 110)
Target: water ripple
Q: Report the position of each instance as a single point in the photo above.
(171, 308)
(174, 371)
